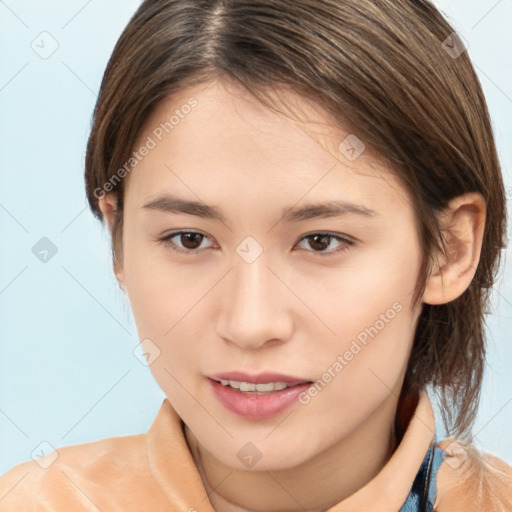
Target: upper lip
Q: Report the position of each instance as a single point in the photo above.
(260, 378)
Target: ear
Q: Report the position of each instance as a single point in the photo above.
(462, 225)
(108, 207)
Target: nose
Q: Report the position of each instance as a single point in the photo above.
(256, 305)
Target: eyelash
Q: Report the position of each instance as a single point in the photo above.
(192, 252)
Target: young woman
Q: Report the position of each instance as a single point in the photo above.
(307, 214)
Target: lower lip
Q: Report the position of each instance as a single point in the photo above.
(257, 406)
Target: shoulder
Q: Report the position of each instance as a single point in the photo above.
(78, 474)
(471, 480)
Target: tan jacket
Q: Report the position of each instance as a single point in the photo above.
(155, 472)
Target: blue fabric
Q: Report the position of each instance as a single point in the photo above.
(432, 461)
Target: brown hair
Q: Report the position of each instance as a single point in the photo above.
(380, 67)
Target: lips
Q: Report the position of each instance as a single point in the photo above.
(245, 395)
(257, 406)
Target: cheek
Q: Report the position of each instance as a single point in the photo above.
(165, 302)
(153, 289)
(353, 296)
(368, 308)
(163, 313)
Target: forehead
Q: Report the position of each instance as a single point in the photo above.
(213, 140)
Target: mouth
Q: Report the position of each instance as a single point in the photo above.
(265, 387)
(258, 400)
(266, 382)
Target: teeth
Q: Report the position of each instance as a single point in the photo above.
(248, 386)
(234, 384)
(245, 386)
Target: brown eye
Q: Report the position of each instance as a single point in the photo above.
(185, 241)
(190, 240)
(319, 242)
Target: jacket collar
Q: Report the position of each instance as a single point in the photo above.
(173, 467)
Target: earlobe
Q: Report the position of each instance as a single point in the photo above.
(118, 268)
(462, 224)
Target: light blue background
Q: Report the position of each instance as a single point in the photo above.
(67, 370)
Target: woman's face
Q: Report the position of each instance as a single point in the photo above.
(254, 290)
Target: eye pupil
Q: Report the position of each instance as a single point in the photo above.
(323, 243)
(187, 237)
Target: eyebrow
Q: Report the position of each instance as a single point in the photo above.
(172, 204)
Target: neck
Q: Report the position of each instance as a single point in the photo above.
(313, 486)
